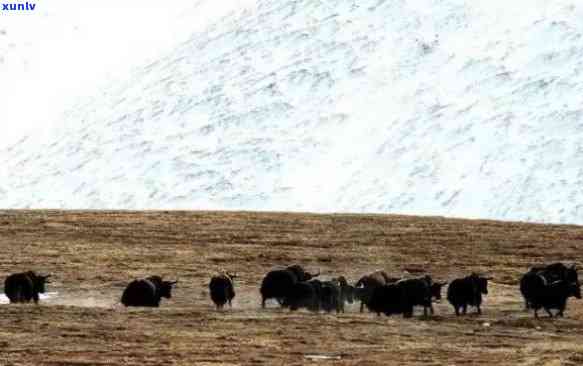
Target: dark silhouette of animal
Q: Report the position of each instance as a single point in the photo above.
(467, 291)
(364, 287)
(24, 287)
(222, 289)
(347, 291)
(551, 272)
(147, 292)
(539, 292)
(301, 295)
(278, 283)
(331, 296)
(416, 292)
(301, 274)
(402, 296)
(386, 299)
(317, 285)
(436, 289)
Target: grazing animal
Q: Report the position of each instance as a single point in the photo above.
(147, 292)
(24, 287)
(467, 291)
(539, 293)
(301, 274)
(318, 289)
(222, 289)
(277, 283)
(551, 272)
(364, 287)
(331, 296)
(416, 291)
(347, 292)
(402, 296)
(386, 299)
(301, 295)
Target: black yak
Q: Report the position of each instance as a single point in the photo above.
(539, 292)
(301, 295)
(467, 291)
(331, 296)
(402, 296)
(147, 292)
(551, 272)
(277, 283)
(222, 289)
(24, 287)
(365, 286)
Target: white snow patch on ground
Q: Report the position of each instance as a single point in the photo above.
(45, 296)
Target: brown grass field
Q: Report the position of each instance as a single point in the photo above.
(94, 254)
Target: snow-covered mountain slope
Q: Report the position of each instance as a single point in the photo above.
(441, 107)
(65, 48)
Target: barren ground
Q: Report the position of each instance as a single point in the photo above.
(93, 255)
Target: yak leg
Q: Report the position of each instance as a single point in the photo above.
(17, 296)
(408, 312)
(464, 309)
(263, 302)
(479, 310)
(457, 310)
(362, 306)
(549, 312)
(562, 307)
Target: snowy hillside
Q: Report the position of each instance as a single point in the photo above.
(441, 107)
(64, 49)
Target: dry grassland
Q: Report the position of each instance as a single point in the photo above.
(93, 255)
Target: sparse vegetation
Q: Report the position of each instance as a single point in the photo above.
(93, 255)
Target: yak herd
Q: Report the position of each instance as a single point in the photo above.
(545, 287)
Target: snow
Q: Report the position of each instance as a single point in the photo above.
(64, 49)
(45, 296)
(432, 107)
